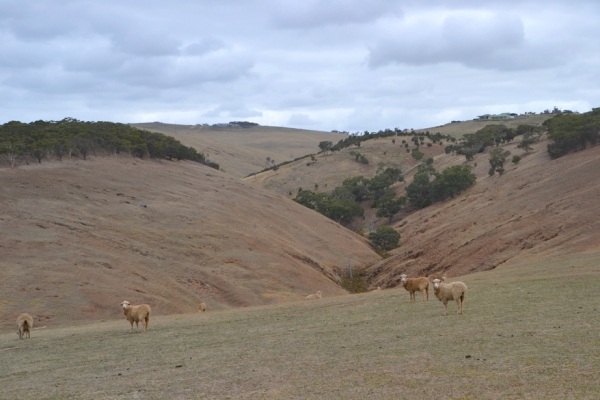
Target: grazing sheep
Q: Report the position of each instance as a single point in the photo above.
(413, 284)
(314, 296)
(140, 313)
(202, 307)
(450, 291)
(437, 276)
(25, 324)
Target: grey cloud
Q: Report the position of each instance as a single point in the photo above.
(317, 13)
(491, 42)
(301, 120)
(232, 111)
(203, 46)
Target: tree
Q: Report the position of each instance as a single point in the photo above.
(385, 238)
(390, 205)
(497, 159)
(417, 155)
(325, 146)
(419, 190)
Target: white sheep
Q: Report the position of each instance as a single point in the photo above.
(314, 296)
(140, 313)
(25, 324)
(441, 277)
(450, 291)
(202, 307)
(415, 284)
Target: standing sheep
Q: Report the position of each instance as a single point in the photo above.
(202, 307)
(25, 324)
(413, 284)
(314, 296)
(140, 313)
(450, 291)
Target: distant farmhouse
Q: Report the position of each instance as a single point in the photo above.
(497, 116)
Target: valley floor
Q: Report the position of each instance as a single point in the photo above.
(528, 331)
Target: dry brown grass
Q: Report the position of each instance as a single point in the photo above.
(528, 332)
(459, 129)
(242, 151)
(330, 170)
(76, 240)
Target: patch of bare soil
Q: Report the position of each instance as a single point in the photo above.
(539, 208)
(79, 237)
(242, 151)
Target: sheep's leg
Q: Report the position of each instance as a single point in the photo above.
(458, 306)
(445, 307)
(131, 330)
(137, 326)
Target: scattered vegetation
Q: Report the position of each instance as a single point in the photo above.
(74, 138)
(343, 204)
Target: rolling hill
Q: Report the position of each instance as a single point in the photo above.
(79, 237)
(242, 151)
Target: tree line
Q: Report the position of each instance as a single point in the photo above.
(73, 138)
(572, 132)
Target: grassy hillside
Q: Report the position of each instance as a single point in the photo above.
(528, 332)
(331, 169)
(457, 130)
(81, 236)
(538, 208)
(242, 151)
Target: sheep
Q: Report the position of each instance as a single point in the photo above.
(450, 291)
(25, 324)
(140, 313)
(437, 276)
(413, 284)
(202, 307)
(314, 296)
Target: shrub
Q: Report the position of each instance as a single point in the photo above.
(385, 238)
(516, 159)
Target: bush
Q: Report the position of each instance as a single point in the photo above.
(516, 159)
(385, 238)
(357, 283)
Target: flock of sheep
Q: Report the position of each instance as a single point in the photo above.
(443, 291)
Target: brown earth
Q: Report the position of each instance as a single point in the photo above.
(79, 237)
(242, 151)
(540, 208)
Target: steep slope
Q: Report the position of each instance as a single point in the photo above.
(331, 169)
(79, 237)
(539, 208)
(242, 151)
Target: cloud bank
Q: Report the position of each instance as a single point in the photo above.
(320, 64)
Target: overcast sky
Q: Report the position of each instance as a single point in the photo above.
(338, 64)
